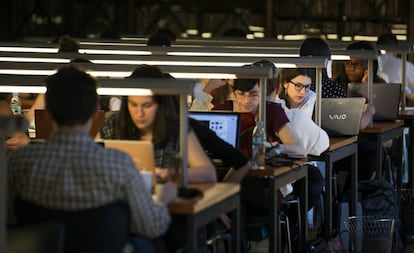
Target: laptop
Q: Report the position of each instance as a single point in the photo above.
(386, 98)
(44, 125)
(141, 152)
(341, 116)
(225, 124)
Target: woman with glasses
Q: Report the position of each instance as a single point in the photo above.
(296, 89)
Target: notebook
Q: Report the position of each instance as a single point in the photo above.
(44, 125)
(141, 152)
(225, 124)
(386, 98)
(341, 116)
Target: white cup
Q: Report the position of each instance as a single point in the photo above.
(147, 177)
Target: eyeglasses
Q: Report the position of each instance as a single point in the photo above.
(354, 65)
(300, 86)
(243, 95)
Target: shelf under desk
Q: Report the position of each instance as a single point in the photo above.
(218, 198)
(339, 148)
(379, 133)
(282, 176)
(407, 116)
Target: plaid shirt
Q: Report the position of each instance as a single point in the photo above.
(71, 172)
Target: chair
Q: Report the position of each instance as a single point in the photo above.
(103, 229)
(38, 238)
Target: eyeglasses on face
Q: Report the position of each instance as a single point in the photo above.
(245, 94)
(300, 86)
(354, 65)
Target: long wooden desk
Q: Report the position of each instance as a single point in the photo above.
(217, 199)
(340, 148)
(282, 176)
(379, 133)
(408, 117)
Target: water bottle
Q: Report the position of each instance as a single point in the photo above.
(257, 160)
(15, 104)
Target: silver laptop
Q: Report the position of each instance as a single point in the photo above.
(386, 98)
(341, 116)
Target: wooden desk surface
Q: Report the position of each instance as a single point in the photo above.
(272, 171)
(212, 194)
(406, 114)
(381, 127)
(339, 142)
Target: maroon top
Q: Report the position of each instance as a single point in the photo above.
(275, 119)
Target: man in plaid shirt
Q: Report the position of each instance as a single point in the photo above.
(69, 171)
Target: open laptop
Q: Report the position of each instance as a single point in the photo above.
(386, 98)
(44, 125)
(141, 152)
(225, 124)
(341, 116)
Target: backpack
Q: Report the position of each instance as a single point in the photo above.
(378, 198)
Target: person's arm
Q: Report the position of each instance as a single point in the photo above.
(237, 175)
(38, 104)
(291, 141)
(149, 218)
(367, 116)
(16, 140)
(201, 170)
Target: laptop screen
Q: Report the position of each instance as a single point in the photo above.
(386, 98)
(225, 124)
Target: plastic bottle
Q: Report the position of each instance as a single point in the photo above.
(15, 104)
(257, 160)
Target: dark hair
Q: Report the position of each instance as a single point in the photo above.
(234, 32)
(287, 75)
(272, 83)
(245, 84)
(170, 34)
(62, 88)
(167, 114)
(159, 39)
(387, 39)
(315, 47)
(68, 44)
(366, 45)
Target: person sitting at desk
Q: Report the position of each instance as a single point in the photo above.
(17, 139)
(295, 90)
(152, 118)
(71, 172)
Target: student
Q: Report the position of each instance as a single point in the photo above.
(17, 139)
(295, 90)
(356, 70)
(279, 130)
(155, 118)
(391, 65)
(331, 88)
(53, 174)
(319, 47)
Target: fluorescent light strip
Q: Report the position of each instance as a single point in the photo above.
(22, 89)
(118, 52)
(124, 91)
(26, 59)
(29, 49)
(203, 75)
(230, 54)
(170, 63)
(27, 72)
(340, 57)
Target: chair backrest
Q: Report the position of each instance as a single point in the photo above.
(104, 229)
(44, 125)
